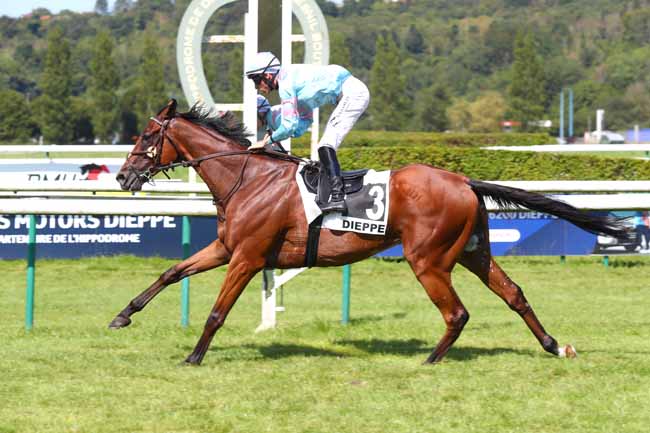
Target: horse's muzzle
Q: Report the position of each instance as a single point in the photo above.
(129, 181)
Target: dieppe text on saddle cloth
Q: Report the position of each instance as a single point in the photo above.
(367, 209)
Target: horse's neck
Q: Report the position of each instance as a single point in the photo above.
(223, 172)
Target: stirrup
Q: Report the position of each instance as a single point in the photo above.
(334, 206)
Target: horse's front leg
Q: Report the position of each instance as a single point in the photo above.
(210, 257)
(240, 271)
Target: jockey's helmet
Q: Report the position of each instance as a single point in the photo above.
(262, 63)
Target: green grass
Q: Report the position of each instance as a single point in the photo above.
(312, 374)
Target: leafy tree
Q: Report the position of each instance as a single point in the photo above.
(561, 72)
(527, 96)
(623, 69)
(82, 109)
(431, 109)
(328, 8)
(636, 26)
(103, 89)
(101, 7)
(16, 124)
(389, 108)
(234, 80)
(150, 83)
(487, 112)
(499, 42)
(459, 115)
(414, 41)
(122, 6)
(588, 54)
(339, 51)
(361, 45)
(55, 83)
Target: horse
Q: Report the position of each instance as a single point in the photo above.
(440, 218)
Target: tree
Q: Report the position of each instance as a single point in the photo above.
(339, 51)
(234, 80)
(103, 87)
(414, 41)
(15, 113)
(487, 112)
(459, 115)
(151, 80)
(526, 96)
(122, 6)
(54, 103)
(431, 109)
(101, 7)
(389, 108)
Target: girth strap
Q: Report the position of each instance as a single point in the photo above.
(313, 236)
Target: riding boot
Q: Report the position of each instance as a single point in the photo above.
(331, 165)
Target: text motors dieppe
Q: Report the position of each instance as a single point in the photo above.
(88, 222)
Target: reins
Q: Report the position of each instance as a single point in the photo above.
(155, 152)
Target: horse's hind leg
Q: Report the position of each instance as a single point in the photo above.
(210, 257)
(432, 259)
(438, 286)
(480, 262)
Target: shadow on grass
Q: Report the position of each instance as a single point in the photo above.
(409, 347)
(412, 347)
(377, 318)
(272, 351)
(276, 351)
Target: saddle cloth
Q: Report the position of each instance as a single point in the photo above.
(367, 208)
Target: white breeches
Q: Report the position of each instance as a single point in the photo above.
(354, 101)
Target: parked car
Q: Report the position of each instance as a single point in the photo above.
(609, 137)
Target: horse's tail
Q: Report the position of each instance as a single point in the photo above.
(508, 197)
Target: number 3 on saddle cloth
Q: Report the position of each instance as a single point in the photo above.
(366, 197)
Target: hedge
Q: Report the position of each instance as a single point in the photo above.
(494, 165)
(395, 138)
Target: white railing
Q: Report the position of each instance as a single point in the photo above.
(66, 148)
(41, 198)
(575, 148)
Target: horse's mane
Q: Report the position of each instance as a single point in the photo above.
(225, 124)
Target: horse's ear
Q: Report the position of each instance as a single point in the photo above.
(171, 108)
(169, 111)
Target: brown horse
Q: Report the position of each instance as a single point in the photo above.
(438, 216)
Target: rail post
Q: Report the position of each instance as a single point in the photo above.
(185, 284)
(31, 274)
(345, 305)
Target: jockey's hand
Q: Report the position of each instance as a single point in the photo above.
(262, 143)
(259, 145)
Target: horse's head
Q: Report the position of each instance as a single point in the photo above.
(153, 150)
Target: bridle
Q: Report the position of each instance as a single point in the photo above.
(155, 151)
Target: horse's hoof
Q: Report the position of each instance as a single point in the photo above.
(567, 351)
(190, 361)
(119, 322)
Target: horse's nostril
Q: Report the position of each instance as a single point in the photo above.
(120, 177)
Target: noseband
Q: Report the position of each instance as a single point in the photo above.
(154, 152)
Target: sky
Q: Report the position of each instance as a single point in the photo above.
(16, 8)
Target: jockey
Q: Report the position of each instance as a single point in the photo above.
(269, 118)
(301, 89)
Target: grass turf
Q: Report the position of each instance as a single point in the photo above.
(72, 374)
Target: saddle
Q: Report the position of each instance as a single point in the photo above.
(352, 180)
(317, 183)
